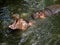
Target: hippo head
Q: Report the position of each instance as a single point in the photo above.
(38, 14)
(21, 24)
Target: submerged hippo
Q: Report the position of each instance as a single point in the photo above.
(20, 23)
(48, 11)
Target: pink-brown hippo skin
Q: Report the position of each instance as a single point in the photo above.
(48, 11)
(21, 24)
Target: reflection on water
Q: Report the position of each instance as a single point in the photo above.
(45, 32)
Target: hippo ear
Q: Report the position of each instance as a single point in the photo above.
(32, 16)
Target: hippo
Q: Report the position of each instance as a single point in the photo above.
(20, 23)
(46, 12)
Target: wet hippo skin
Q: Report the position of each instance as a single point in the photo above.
(21, 24)
(48, 11)
(51, 10)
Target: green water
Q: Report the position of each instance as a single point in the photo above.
(45, 32)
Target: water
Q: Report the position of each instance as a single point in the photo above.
(45, 32)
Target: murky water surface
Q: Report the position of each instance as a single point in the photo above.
(45, 32)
